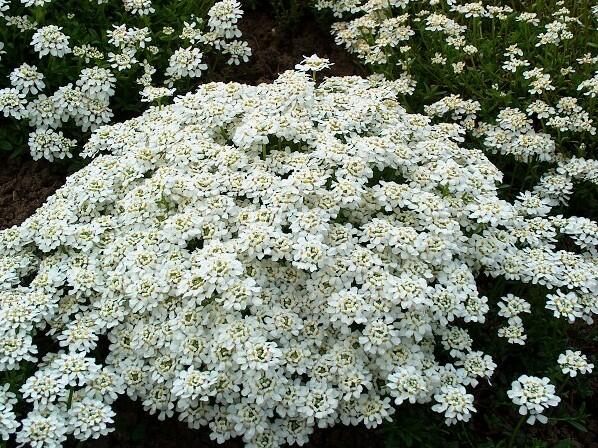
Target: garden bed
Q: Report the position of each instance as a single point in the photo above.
(278, 43)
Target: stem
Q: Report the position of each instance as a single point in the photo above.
(466, 434)
(562, 386)
(515, 431)
(69, 401)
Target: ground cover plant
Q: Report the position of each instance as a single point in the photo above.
(264, 263)
(267, 264)
(477, 61)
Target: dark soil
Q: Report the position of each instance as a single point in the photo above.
(277, 48)
(24, 186)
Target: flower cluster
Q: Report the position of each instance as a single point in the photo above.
(8, 418)
(267, 260)
(511, 307)
(533, 395)
(574, 362)
(88, 98)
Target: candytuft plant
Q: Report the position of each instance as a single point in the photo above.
(267, 260)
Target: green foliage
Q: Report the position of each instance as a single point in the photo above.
(483, 79)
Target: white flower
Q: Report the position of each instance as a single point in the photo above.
(533, 395)
(564, 305)
(8, 418)
(35, 2)
(27, 79)
(96, 83)
(458, 67)
(12, 103)
(514, 332)
(151, 93)
(192, 385)
(313, 63)
(122, 61)
(455, 403)
(320, 405)
(258, 354)
(50, 144)
(50, 40)
(43, 429)
(15, 347)
(408, 383)
(574, 362)
(44, 388)
(238, 51)
(223, 18)
(44, 112)
(477, 364)
(90, 418)
(185, 62)
(140, 7)
(105, 385)
(373, 410)
(8, 423)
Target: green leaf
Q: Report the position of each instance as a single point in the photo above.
(577, 425)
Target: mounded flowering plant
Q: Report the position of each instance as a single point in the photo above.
(267, 260)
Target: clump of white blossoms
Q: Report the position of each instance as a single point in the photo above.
(265, 260)
(185, 63)
(151, 93)
(8, 418)
(533, 395)
(27, 79)
(313, 63)
(574, 362)
(140, 7)
(50, 40)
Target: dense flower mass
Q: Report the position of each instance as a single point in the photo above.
(265, 260)
(84, 78)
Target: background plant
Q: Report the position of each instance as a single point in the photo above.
(135, 50)
(491, 54)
